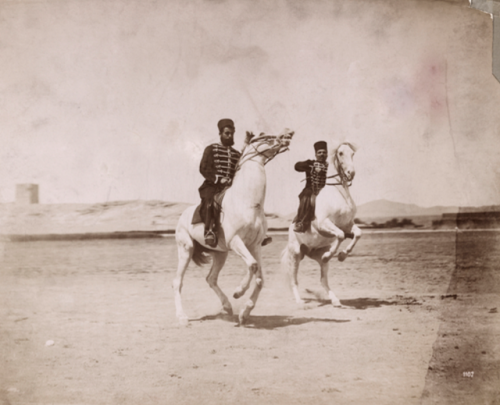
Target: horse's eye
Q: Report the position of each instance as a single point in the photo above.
(341, 153)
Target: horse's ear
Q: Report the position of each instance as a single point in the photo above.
(249, 137)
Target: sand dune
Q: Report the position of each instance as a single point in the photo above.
(116, 216)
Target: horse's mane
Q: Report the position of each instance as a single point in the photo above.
(251, 138)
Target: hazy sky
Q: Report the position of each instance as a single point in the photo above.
(116, 100)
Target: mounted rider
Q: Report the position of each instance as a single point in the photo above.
(316, 171)
(218, 166)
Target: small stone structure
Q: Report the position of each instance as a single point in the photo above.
(27, 194)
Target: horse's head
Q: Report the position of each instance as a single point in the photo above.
(342, 159)
(266, 146)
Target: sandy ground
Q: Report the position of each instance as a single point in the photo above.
(93, 322)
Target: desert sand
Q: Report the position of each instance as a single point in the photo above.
(93, 322)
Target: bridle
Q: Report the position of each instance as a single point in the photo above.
(343, 180)
(260, 140)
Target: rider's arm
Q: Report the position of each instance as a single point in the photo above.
(303, 166)
(207, 165)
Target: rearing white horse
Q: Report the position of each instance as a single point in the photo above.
(335, 213)
(243, 226)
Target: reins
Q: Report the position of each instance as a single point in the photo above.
(257, 142)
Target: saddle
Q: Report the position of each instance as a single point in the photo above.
(197, 219)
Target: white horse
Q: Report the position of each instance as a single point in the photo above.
(243, 226)
(335, 213)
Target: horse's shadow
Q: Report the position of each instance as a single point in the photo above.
(362, 303)
(271, 322)
(268, 322)
(357, 303)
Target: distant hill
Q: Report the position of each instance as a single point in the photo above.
(380, 211)
(385, 208)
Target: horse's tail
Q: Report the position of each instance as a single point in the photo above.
(201, 254)
(283, 253)
(285, 260)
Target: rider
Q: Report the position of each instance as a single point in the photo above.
(218, 167)
(315, 180)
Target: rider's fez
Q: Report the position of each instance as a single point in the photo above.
(315, 171)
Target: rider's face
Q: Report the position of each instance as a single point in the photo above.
(226, 136)
(321, 155)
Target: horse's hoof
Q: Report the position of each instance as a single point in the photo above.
(227, 311)
(237, 294)
(300, 303)
(241, 320)
(334, 300)
(342, 256)
(303, 305)
(245, 312)
(183, 321)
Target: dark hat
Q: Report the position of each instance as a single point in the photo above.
(226, 122)
(320, 145)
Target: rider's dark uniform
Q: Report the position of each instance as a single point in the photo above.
(315, 180)
(218, 162)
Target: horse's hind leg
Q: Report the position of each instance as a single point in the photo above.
(291, 259)
(219, 258)
(324, 279)
(328, 227)
(185, 250)
(259, 283)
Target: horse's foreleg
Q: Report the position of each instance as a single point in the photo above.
(259, 283)
(356, 236)
(241, 250)
(219, 258)
(185, 252)
(329, 228)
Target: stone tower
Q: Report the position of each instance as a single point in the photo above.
(27, 193)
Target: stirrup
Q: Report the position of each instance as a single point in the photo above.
(298, 227)
(211, 239)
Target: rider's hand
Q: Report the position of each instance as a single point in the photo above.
(224, 180)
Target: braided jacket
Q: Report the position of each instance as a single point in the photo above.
(315, 175)
(218, 161)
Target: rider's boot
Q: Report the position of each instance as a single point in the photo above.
(210, 236)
